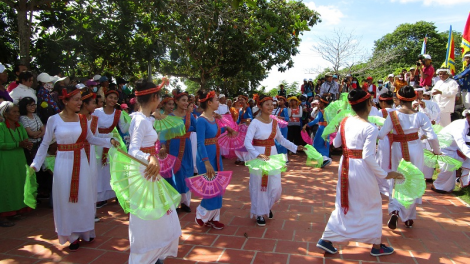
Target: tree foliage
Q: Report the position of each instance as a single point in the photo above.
(228, 45)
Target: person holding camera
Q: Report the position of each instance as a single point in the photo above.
(329, 88)
(425, 69)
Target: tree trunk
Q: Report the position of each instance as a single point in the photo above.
(24, 33)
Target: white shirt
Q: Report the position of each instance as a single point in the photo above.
(222, 110)
(22, 91)
(379, 92)
(431, 110)
(446, 100)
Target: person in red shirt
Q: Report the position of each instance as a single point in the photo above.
(18, 69)
(426, 71)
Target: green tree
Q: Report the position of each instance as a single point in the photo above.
(233, 45)
(407, 40)
(8, 38)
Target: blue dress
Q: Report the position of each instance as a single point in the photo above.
(187, 166)
(244, 115)
(282, 112)
(319, 144)
(205, 130)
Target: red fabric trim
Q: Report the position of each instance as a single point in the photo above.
(399, 130)
(183, 138)
(267, 143)
(347, 154)
(76, 148)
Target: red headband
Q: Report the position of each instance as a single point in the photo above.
(177, 96)
(148, 91)
(256, 98)
(264, 100)
(66, 95)
(406, 99)
(281, 97)
(166, 100)
(385, 99)
(360, 100)
(324, 101)
(108, 92)
(88, 96)
(210, 95)
(244, 97)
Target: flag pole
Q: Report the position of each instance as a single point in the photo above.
(448, 47)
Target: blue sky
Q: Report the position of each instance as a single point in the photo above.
(369, 20)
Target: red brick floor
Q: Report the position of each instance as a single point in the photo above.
(441, 233)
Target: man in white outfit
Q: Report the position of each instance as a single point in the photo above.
(223, 108)
(431, 110)
(459, 149)
(444, 93)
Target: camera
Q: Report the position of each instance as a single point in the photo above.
(420, 59)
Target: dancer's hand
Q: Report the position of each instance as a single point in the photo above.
(115, 143)
(217, 116)
(209, 170)
(304, 128)
(158, 115)
(153, 169)
(230, 131)
(300, 147)
(394, 175)
(162, 152)
(263, 157)
(439, 153)
(32, 167)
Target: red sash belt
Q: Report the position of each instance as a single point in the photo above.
(149, 150)
(267, 143)
(401, 136)
(405, 137)
(323, 123)
(182, 138)
(243, 120)
(117, 115)
(74, 183)
(347, 154)
(214, 141)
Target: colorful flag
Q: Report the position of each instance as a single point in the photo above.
(450, 54)
(425, 41)
(466, 40)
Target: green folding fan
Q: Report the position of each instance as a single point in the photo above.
(274, 164)
(149, 200)
(446, 163)
(30, 188)
(314, 158)
(412, 187)
(169, 127)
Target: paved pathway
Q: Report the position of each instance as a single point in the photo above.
(441, 234)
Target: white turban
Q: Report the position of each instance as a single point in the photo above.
(4, 106)
(466, 112)
(443, 70)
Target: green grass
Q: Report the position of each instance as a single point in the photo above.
(463, 194)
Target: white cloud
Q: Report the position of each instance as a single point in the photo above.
(330, 14)
(434, 2)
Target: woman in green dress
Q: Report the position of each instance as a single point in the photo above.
(13, 139)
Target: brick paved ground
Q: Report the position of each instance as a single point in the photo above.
(441, 234)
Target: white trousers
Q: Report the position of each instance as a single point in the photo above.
(445, 119)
